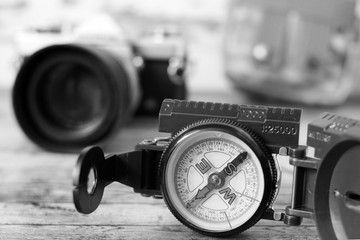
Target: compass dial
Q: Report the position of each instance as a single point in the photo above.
(216, 178)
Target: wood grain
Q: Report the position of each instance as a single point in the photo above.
(145, 232)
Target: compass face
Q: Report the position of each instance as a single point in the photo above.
(214, 181)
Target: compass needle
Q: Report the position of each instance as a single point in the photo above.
(216, 180)
(202, 193)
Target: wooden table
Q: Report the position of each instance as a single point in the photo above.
(36, 192)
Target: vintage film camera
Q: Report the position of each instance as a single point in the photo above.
(218, 172)
(78, 85)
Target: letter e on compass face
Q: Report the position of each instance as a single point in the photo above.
(203, 166)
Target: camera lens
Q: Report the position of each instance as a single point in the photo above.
(69, 96)
(72, 96)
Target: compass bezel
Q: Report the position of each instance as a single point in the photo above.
(266, 162)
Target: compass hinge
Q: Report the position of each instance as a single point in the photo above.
(149, 184)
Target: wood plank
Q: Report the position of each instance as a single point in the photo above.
(65, 214)
(120, 220)
(25, 232)
(134, 214)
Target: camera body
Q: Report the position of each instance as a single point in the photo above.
(325, 174)
(76, 86)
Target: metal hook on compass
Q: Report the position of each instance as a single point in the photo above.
(88, 180)
(94, 171)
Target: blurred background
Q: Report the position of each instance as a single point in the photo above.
(288, 53)
(27, 26)
(303, 50)
(284, 52)
(202, 23)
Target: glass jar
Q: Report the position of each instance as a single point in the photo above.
(294, 50)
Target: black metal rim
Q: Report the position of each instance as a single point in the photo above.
(266, 161)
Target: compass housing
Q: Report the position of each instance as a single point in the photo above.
(197, 169)
(244, 195)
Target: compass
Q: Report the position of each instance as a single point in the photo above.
(217, 174)
(218, 178)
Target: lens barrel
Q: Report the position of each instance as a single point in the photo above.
(70, 96)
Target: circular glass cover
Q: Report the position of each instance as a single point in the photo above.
(214, 180)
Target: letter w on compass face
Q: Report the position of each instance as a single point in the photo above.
(216, 180)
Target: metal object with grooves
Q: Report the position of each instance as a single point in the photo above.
(278, 127)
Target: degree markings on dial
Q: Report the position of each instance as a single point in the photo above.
(255, 200)
(227, 219)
